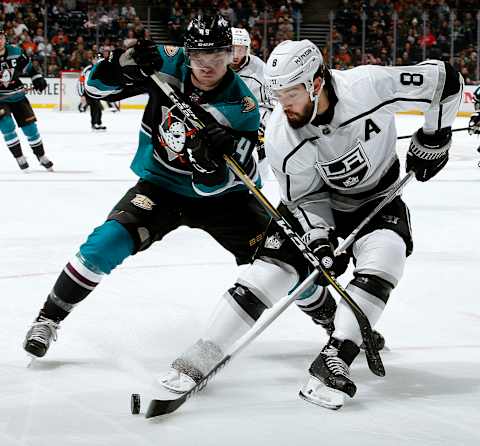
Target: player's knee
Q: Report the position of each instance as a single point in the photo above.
(7, 126)
(107, 247)
(31, 131)
(247, 302)
(269, 279)
(373, 285)
(139, 233)
(381, 253)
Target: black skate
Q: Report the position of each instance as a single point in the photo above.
(38, 338)
(98, 128)
(329, 379)
(22, 162)
(45, 162)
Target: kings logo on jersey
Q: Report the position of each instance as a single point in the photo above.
(348, 170)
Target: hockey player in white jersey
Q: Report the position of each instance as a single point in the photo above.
(250, 68)
(331, 142)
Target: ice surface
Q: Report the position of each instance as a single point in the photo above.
(156, 303)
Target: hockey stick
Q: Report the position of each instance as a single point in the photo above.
(162, 407)
(388, 198)
(453, 130)
(373, 357)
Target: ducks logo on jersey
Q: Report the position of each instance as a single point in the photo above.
(174, 133)
(248, 104)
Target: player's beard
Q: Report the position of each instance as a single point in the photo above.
(298, 120)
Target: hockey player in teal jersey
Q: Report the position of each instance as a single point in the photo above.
(14, 104)
(183, 178)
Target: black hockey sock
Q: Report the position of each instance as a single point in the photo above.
(38, 149)
(69, 289)
(16, 150)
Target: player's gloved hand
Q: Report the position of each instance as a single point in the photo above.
(474, 124)
(428, 153)
(320, 241)
(82, 107)
(39, 83)
(211, 144)
(140, 61)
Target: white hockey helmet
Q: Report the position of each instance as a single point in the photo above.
(240, 36)
(292, 63)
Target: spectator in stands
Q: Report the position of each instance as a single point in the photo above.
(29, 46)
(60, 38)
(128, 11)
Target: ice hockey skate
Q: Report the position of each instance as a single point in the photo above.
(329, 379)
(99, 128)
(189, 369)
(42, 332)
(45, 162)
(176, 381)
(22, 163)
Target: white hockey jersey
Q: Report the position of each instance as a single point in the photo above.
(353, 159)
(251, 73)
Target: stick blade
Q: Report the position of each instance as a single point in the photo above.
(163, 407)
(374, 359)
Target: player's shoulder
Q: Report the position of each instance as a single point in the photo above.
(256, 62)
(362, 74)
(237, 104)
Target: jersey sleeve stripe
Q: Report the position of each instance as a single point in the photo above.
(383, 104)
(296, 149)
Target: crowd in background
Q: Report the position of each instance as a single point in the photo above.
(79, 29)
(76, 30)
(411, 39)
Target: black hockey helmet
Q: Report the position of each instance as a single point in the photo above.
(208, 32)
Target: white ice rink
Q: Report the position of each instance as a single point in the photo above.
(157, 302)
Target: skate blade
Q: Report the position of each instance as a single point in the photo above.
(172, 388)
(30, 360)
(175, 382)
(316, 392)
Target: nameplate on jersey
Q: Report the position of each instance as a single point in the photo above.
(347, 171)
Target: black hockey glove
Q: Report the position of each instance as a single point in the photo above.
(140, 61)
(39, 83)
(323, 248)
(474, 124)
(208, 148)
(428, 154)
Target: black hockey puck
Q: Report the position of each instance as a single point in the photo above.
(135, 403)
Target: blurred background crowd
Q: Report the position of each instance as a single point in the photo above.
(382, 32)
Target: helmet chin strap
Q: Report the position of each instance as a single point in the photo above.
(315, 98)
